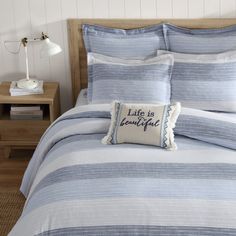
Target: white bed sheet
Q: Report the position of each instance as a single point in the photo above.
(82, 98)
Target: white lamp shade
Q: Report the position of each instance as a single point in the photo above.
(49, 48)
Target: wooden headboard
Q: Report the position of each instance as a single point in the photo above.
(78, 57)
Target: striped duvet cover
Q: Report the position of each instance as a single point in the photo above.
(77, 186)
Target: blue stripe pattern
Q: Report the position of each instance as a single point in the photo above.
(127, 44)
(203, 126)
(199, 41)
(141, 230)
(206, 82)
(140, 170)
(129, 81)
(136, 186)
(78, 190)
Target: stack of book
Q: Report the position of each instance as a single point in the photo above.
(15, 91)
(25, 112)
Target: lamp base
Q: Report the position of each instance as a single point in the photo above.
(28, 83)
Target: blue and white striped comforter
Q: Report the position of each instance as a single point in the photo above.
(77, 186)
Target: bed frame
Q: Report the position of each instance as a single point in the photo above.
(78, 57)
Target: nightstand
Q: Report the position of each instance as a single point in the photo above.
(23, 134)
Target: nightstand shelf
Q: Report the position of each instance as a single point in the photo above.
(26, 133)
(5, 112)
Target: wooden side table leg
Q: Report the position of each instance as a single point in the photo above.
(7, 152)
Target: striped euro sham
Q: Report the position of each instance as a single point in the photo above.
(211, 127)
(127, 44)
(184, 40)
(206, 81)
(144, 81)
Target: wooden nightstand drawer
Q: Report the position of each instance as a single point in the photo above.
(22, 130)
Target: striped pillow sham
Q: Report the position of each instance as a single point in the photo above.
(127, 44)
(145, 81)
(199, 41)
(211, 127)
(206, 81)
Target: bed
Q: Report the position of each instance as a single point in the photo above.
(75, 185)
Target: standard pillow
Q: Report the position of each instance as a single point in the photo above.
(143, 124)
(146, 81)
(206, 82)
(127, 44)
(199, 41)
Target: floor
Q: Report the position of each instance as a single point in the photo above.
(11, 173)
(12, 169)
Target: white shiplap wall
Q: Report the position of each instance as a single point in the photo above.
(20, 18)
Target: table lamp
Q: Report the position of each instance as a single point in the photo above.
(48, 49)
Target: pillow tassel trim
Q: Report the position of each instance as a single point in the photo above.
(172, 116)
(108, 139)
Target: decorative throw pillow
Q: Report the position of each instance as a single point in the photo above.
(140, 81)
(198, 41)
(204, 81)
(127, 44)
(149, 124)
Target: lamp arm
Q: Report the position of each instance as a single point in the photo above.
(43, 37)
(25, 40)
